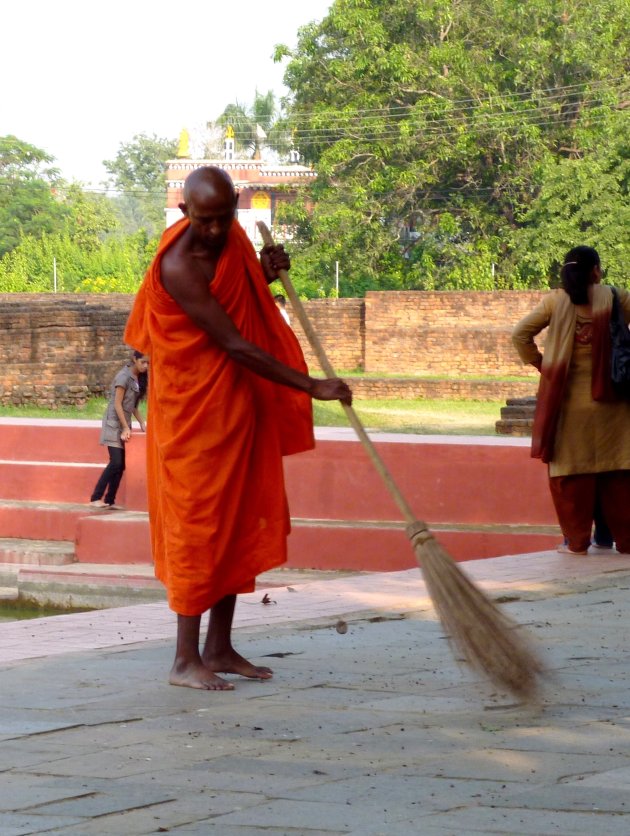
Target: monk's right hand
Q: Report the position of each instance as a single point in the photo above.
(331, 389)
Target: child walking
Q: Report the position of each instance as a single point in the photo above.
(128, 389)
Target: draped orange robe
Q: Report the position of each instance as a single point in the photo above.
(216, 433)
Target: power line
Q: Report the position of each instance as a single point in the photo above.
(474, 116)
(474, 103)
(463, 117)
(547, 114)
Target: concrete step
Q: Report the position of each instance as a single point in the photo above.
(98, 586)
(468, 489)
(517, 417)
(446, 480)
(510, 412)
(515, 426)
(89, 587)
(33, 520)
(48, 481)
(438, 475)
(36, 552)
(9, 581)
(383, 547)
(352, 545)
(114, 537)
(52, 441)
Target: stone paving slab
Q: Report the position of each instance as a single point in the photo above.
(512, 577)
(375, 731)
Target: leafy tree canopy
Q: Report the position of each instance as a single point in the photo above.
(443, 132)
(138, 172)
(257, 126)
(28, 183)
(117, 264)
(90, 218)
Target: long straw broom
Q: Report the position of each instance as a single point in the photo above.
(485, 636)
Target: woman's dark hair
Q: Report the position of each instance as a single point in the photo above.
(577, 273)
(143, 380)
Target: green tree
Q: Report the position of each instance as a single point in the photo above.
(581, 201)
(90, 219)
(28, 183)
(433, 125)
(116, 264)
(138, 172)
(260, 125)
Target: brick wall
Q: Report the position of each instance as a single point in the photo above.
(340, 326)
(60, 349)
(63, 348)
(444, 333)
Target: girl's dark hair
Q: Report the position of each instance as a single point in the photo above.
(577, 273)
(143, 379)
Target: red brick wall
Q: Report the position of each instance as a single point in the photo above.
(60, 349)
(340, 326)
(444, 333)
(63, 348)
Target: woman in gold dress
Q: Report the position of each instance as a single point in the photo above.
(581, 427)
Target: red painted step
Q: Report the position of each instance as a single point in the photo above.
(41, 520)
(470, 489)
(123, 538)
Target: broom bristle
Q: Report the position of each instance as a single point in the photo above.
(487, 638)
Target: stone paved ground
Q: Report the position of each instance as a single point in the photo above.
(375, 731)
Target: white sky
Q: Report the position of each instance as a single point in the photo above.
(82, 76)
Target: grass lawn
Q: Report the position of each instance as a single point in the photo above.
(93, 409)
(433, 417)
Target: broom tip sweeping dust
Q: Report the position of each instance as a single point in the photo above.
(484, 635)
(486, 638)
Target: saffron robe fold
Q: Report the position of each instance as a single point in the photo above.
(216, 432)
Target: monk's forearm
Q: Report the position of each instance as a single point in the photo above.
(263, 364)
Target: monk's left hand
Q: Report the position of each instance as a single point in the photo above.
(273, 259)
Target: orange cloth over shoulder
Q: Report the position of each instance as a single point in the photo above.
(216, 433)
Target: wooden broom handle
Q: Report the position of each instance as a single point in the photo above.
(328, 370)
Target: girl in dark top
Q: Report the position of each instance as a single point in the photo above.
(128, 389)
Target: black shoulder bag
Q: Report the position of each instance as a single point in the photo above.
(620, 350)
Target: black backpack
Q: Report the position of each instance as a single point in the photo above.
(620, 350)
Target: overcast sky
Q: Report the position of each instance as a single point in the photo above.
(81, 76)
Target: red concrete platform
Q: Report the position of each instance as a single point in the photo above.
(483, 496)
(40, 520)
(389, 550)
(122, 538)
(113, 537)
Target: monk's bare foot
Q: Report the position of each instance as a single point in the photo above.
(233, 662)
(196, 675)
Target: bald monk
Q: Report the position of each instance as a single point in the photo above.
(230, 395)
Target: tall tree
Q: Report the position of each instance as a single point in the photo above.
(138, 172)
(432, 124)
(585, 200)
(28, 203)
(91, 218)
(257, 126)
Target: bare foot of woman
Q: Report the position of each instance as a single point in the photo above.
(197, 675)
(232, 662)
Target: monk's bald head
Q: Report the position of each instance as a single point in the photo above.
(210, 206)
(208, 181)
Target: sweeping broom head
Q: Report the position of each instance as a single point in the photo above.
(485, 636)
(482, 633)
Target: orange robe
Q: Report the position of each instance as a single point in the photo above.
(216, 433)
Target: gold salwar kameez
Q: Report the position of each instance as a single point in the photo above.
(584, 438)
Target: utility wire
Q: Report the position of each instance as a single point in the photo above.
(459, 105)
